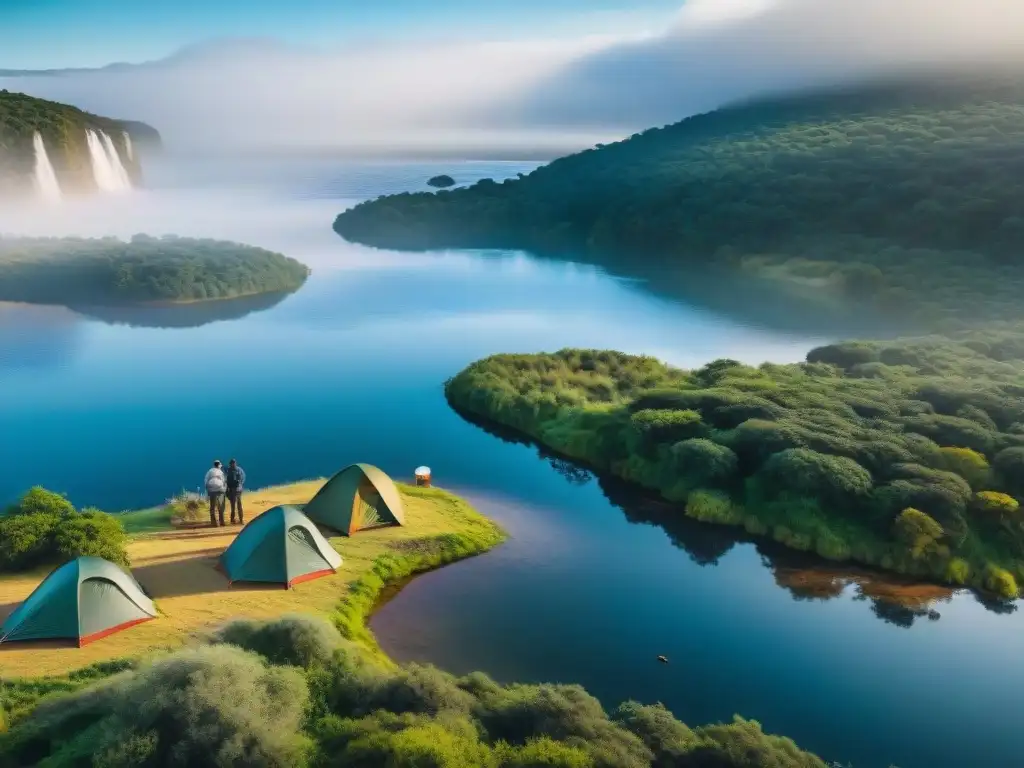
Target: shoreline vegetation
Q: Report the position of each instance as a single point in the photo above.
(144, 271)
(304, 690)
(899, 198)
(904, 456)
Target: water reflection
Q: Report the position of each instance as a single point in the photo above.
(892, 599)
(191, 315)
(35, 337)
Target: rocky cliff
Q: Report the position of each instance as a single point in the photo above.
(87, 152)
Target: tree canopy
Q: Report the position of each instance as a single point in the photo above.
(902, 196)
(904, 455)
(291, 692)
(108, 271)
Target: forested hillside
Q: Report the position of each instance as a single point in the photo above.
(906, 196)
(82, 272)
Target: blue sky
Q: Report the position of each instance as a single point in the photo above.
(62, 33)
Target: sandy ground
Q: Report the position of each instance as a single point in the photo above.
(177, 569)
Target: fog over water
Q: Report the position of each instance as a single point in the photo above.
(541, 93)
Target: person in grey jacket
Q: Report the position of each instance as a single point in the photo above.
(216, 485)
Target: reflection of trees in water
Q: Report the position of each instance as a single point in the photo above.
(806, 577)
(34, 337)
(574, 474)
(705, 544)
(190, 315)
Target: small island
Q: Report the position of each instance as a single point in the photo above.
(907, 456)
(441, 182)
(294, 677)
(74, 271)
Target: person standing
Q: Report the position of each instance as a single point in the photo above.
(235, 478)
(216, 485)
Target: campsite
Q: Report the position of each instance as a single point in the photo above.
(195, 586)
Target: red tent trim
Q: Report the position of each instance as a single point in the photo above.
(86, 639)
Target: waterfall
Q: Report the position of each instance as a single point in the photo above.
(46, 180)
(115, 162)
(128, 146)
(107, 169)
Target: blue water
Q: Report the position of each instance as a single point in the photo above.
(351, 367)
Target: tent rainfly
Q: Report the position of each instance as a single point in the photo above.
(357, 498)
(281, 546)
(84, 600)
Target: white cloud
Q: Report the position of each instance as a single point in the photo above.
(721, 50)
(570, 91)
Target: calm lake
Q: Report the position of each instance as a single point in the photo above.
(122, 409)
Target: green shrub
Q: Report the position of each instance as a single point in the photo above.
(301, 641)
(917, 531)
(995, 504)
(213, 707)
(958, 571)
(421, 744)
(970, 465)
(26, 541)
(543, 752)
(743, 744)
(711, 507)
(1001, 582)
(520, 713)
(667, 738)
(1009, 464)
(92, 533)
(836, 480)
(704, 463)
(845, 355)
(39, 501)
(654, 427)
(43, 528)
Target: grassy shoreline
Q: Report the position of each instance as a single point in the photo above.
(468, 533)
(295, 690)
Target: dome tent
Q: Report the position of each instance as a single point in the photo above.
(357, 498)
(85, 599)
(280, 546)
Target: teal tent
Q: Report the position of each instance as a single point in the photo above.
(281, 546)
(84, 600)
(359, 497)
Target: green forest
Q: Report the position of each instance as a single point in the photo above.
(903, 455)
(293, 693)
(63, 130)
(107, 271)
(903, 197)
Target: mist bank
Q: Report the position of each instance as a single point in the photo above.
(490, 97)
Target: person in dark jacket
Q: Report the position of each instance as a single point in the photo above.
(235, 477)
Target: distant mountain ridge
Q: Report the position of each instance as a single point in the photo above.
(197, 53)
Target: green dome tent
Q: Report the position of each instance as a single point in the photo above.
(280, 546)
(359, 497)
(84, 600)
